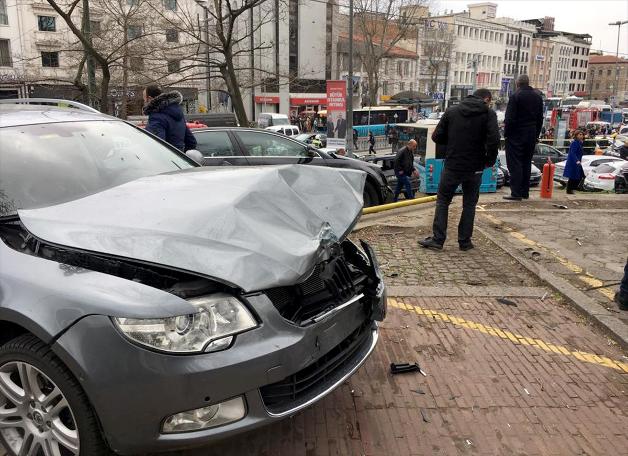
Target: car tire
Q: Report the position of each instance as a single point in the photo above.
(27, 356)
(370, 195)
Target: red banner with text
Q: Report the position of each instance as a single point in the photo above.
(336, 113)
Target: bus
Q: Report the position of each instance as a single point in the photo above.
(431, 157)
(374, 119)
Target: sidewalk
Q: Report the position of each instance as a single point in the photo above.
(520, 375)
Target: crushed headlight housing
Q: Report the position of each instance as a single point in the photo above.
(206, 417)
(218, 318)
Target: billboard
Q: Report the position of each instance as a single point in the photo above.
(336, 113)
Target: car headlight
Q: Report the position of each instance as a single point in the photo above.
(212, 327)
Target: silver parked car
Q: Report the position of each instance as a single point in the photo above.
(149, 304)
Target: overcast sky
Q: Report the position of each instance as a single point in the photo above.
(577, 16)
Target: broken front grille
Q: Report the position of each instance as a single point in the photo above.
(331, 284)
(319, 376)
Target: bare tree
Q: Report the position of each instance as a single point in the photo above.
(437, 45)
(379, 27)
(228, 48)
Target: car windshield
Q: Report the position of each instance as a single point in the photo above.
(303, 137)
(53, 163)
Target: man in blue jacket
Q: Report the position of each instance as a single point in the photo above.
(165, 118)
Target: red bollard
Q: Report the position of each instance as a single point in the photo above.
(547, 180)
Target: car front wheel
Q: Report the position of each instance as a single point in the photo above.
(43, 410)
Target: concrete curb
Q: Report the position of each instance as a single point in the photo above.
(465, 291)
(604, 319)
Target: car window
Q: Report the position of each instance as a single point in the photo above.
(260, 144)
(605, 168)
(599, 162)
(542, 150)
(214, 144)
(53, 163)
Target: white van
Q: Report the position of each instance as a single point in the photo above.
(271, 119)
(288, 130)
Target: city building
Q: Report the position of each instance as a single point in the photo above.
(608, 79)
(296, 55)
(39, 55)
(570, 59)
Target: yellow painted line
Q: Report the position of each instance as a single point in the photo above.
(583, 276)
(512, 337)
(404, 203)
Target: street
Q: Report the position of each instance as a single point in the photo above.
(511, 367)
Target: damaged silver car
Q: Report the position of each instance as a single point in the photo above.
(149, 304)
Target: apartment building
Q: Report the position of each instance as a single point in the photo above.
(607, 79)
(39, 55)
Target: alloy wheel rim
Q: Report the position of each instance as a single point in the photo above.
(35, 416)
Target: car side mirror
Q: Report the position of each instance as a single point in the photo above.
(195, 155)
(311, 153)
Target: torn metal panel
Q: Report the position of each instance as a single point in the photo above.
(254, 228)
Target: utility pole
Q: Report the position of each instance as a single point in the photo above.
(251, 31)
(208, 85)
(474, 78)
(350, 85)
(618, 24)
(89, 60)
(446, 88)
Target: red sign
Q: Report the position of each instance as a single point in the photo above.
(267, 100)
(336, 111)
(308, 101)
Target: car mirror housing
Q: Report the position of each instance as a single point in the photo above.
(195, 155)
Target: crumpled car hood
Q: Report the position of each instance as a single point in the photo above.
(253, 228)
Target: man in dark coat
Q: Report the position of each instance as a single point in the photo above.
(404, 168)
(470, 132)
(523, 122)
(165, 118)
(341, 127)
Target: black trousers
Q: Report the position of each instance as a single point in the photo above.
(449, 181)
(519, 151)
(573, 184)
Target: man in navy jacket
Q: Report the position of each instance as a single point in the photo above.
(165, 118)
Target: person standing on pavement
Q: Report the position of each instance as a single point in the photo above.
(523, 122)
(371, 143)
(404, 168)
(470, 132)
(573, 168)
(166, 119)
(355, 139)
(621, 297)
(394, 139)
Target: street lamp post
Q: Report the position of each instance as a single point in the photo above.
(202, 4)
(618, 24)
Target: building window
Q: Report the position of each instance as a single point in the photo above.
(399, 69)
(95, 27)
(402, 87)
(4, 17)
(136, 63)
(134, 31)
(406, 68)
(170, 5)
(174, 66)
(172, 36)
(132, 2)
(5, 54)
(50, 59)
(608, 72)
(46, 23)
(385, 88)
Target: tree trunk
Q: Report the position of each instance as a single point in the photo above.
(104, 89)
(228, 74)
(373, 86)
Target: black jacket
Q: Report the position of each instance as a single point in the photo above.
(525, 110)
(470, 132)
(404, 161)
(166, 120)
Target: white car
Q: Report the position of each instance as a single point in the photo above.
(288, 130)
(588, 163)
(603, 176)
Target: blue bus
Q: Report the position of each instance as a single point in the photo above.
(430, 157)
(374, 119)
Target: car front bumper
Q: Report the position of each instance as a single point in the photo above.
(133, 390)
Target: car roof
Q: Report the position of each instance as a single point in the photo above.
(20, 114)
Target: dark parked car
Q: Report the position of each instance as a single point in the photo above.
(535, 173)
(542, 152)
(621, 180)
(148, 304)
(252, 147)
(387, 164)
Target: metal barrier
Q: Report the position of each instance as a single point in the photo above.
(404, 203)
